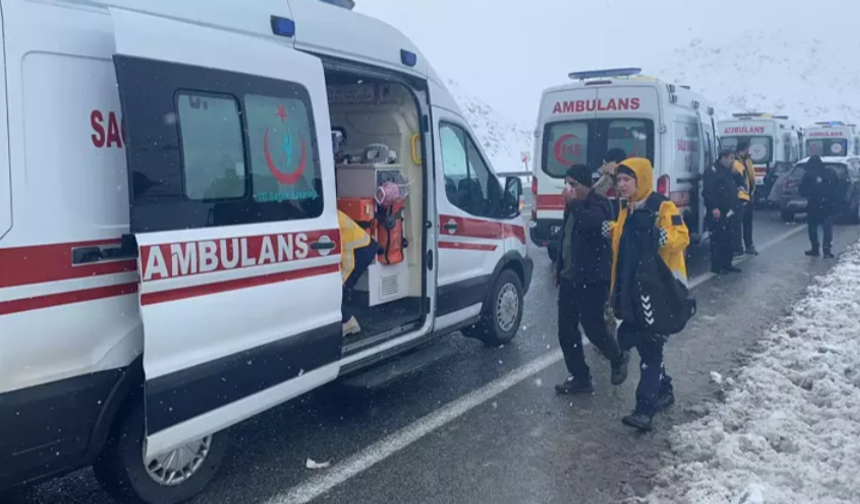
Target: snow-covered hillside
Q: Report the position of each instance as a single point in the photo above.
(807, 78)
(503, 140)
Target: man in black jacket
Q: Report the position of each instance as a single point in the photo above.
(819, 187)
(583, 277)
(719, 190)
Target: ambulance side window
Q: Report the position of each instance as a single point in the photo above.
(469, 183)
(213, 158)
(285, 169)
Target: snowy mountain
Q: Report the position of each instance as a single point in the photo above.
(809, 79)
(503, 140)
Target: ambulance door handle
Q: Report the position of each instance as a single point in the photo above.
(451, 226)
(322, 246)
(88, 255)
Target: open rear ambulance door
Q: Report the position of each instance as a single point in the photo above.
(234, 216)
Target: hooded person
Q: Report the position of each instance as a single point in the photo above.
(582, 276)
(646, 217)
(819, 186)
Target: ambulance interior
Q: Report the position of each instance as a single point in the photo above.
(380, 177)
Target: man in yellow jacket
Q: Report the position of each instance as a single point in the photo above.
(745, 173)
(357, 252)
(649, 214)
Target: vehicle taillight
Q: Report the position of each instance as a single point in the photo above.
(663, 185)
(534, 185)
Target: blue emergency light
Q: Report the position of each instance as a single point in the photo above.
(408, 58)
(831, 123)
(284, 27)
(611, 72)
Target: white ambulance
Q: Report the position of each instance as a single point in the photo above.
(832, 139)
(580, 121)
(169, 241)
(776, 144)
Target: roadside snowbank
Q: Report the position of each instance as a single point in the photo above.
(788, 431)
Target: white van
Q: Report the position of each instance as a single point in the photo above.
(169, 241)
(580, 121)
(776, 144)
(832, 139)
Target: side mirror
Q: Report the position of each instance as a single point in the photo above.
(512, 198)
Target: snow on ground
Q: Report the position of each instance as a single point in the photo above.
(788, 430)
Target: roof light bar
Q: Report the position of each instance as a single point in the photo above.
(600, 74)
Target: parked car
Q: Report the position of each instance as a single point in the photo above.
(786, 189)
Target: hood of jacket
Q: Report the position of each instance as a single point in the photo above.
(644, 177)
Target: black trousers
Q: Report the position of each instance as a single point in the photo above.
(653, 379)
(722, 242)
(583, 304)
(363, 259)
(825, 220)
(748, 214)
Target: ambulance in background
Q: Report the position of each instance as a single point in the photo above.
(579, 122)
(776, 144)
(832, 139)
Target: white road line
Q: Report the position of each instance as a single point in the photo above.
(322, 483)
(766, 245)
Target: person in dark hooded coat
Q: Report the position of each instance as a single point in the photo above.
(819, 186)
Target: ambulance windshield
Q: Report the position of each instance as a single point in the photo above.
(570, 142)
(827, 147)
(761, 147)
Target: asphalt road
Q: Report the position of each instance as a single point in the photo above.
(485, 424)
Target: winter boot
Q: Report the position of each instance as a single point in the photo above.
(828, 254)
(573, 386)
(619, 369)
(812, 252)
(664, 400)
(751, 250)
(351, 326)
(639, 421)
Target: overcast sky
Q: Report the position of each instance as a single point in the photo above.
(506, 52)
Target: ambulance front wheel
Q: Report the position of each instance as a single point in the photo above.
(175, 477)
(503, 313)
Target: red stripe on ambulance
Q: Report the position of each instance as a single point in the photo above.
(207, 256)
(480, 228)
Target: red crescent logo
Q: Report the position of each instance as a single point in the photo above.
(284, 178)
(558, 149)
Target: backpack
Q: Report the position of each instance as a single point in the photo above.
(662, 303)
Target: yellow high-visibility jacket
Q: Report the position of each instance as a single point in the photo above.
(352, 237)
(745, 171)
(676, 234)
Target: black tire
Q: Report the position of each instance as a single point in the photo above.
(553, 253)
(489, 329)
(121, 471)
(786, 216)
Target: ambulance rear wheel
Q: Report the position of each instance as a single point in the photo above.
(503, 312)
(176, 477)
